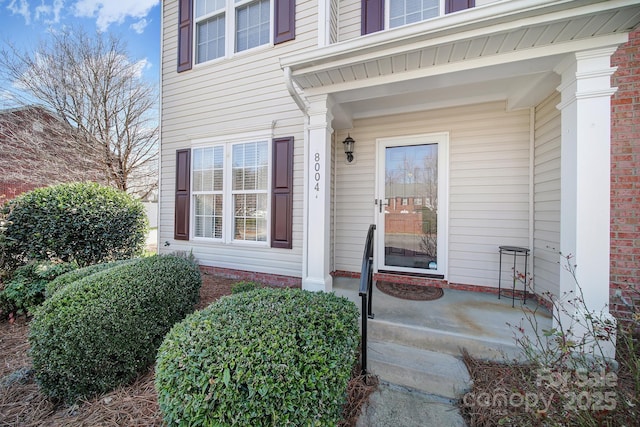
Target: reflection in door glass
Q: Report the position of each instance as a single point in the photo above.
(410, 220)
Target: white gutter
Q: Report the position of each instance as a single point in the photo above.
(494, 17)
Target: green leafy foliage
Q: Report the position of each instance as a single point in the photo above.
(82, 222)
(270, 357)
(101, 331)
(26, 288)
(236, 288)
(75, 275)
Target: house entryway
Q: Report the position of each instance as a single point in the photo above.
(411, 187)
(418, 344)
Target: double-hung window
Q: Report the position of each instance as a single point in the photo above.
(225, 25)
(250, 190)
(208, 191)
(402, 12)
(380, 14)
(252, 23)
(230, 189)
(210, 16)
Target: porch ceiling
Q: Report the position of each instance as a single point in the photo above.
(510, 47)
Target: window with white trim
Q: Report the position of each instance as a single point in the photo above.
(250, 191)
(208, 191)
(402, 12)
(247, 23)
(231, 191)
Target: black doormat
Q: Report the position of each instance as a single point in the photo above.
(410, 292)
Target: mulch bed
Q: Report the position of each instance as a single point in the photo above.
(484, 405)
(22, 404)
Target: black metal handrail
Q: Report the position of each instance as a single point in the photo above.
(366, 281)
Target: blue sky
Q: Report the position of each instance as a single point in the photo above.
(137, 22)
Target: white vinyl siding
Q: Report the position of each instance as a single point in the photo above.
(211, 100)
(488, 185)
(334, 10)
(349, 20)
(546, 174)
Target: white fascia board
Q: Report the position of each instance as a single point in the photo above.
(486, 61)
(481, 21)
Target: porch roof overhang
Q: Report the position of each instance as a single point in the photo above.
(510, 47)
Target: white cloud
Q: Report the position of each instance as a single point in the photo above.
(139, 26)
(20, 7)
(140, 66)
(49, 13)
(113, 11)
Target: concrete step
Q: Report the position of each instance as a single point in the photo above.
(442, 342)
(393, 406)
(429, 372)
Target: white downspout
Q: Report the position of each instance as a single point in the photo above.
(303, 106)
(300, 102)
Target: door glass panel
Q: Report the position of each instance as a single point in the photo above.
(411, 213)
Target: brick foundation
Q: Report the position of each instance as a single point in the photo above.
(265, 278)
(625, 179)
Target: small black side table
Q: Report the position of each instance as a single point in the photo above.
(516, 251)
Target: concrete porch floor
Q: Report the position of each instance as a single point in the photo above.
(459, 319)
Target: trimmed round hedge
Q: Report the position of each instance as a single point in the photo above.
(83, 222)
(101, 331)
(269, 357)
(75, 275)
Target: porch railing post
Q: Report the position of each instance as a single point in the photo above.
(365, 292)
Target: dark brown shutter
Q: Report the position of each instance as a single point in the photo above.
(372, 16)
(456, 5)
(185, 35)
(282, 194)
(183, 178)
(284, 27)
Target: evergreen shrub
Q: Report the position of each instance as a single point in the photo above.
(270, 357)
(83, 222)
(26, 288)
(236, 288)
(75, 275)
(103, 330)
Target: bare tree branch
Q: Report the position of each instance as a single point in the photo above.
(100, 96)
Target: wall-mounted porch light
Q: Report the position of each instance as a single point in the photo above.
(348, 147)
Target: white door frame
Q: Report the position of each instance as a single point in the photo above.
(442, 139)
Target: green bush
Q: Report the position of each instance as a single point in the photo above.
(271, 357)
(26, 289)
(82, 222)
(75, 275)
(101, 331)
(236, 288)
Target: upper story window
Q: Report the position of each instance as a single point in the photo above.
(247, 22)
(213, 29)
(210, 29)
(380, 14)
(402, 12)
(252, 24)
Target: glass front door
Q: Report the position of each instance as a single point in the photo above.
(409, 191)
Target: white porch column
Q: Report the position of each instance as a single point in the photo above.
(585, 179)
(315, 276)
